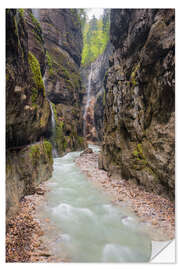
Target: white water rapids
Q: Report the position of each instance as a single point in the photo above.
(87, 227)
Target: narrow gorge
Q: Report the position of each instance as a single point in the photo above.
(90, 139)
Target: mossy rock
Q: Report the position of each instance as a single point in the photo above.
(133, 75)
(138, 152)
(35, 153)
(37, 78)
(49, 61)
(21, 12)
(48, 147)
(37, 150)
(36, 24)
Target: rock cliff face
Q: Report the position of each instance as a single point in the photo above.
(63, 42)
(27, 108)
(102, 64)
(139, 111)
(29, 158)
(43, 56)
(96, 107)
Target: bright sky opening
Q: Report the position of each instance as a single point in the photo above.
(97, 12)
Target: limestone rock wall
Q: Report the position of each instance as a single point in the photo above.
(95, 112)
(139, 116)
(43, 55)
(27, 108)
(28, 156)
(63, 42)
(26, 168)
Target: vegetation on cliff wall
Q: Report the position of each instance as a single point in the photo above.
(37, 77)
(95, 37)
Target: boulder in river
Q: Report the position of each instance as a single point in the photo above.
(87, 151)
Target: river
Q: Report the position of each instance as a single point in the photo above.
(86, 226)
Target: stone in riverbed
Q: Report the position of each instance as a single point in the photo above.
(39, 191)
(87, 151)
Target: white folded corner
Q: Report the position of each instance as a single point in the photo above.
(163, 252)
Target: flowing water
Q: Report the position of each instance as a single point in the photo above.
(53, 124)
(87, 226)
(87, 100)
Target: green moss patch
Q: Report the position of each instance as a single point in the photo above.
(36, 23)
(80, 141)
(21, 12)
(40, 151)
(48, 147)
(49, 63)
(139, 155)
(141, 162)
(35, 153)
(37, 77)
(133, 75)
(60, 67)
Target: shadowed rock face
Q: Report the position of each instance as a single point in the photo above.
(35, 38)
(51, 42)
(63, 42)
(28, 158)
(139, 111)
(27, 109)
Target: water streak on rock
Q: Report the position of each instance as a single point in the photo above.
(87, 101)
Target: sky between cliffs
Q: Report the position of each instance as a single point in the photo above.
(97, 12)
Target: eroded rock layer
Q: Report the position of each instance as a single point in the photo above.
(140, 93)
(63, 42)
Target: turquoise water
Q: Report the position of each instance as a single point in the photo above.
(87, 226)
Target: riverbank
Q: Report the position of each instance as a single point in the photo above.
(24, 232)
(28, 234)
(155, 212)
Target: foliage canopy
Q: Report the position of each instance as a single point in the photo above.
(95, 36)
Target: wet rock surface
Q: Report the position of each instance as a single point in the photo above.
(155, 212)
(138, 140)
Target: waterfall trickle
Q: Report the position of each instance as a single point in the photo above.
(53, 124)
(87, 101)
